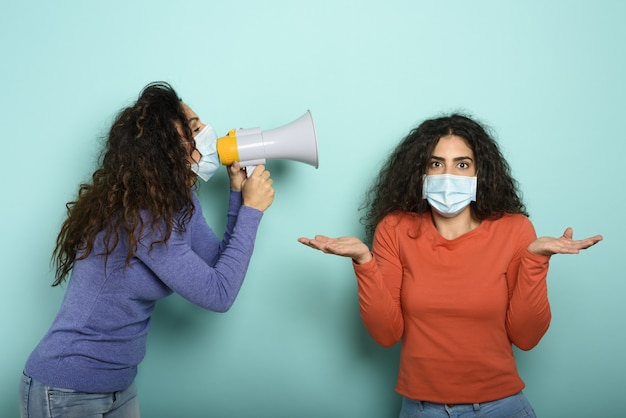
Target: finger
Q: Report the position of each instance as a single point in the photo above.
(305, 241)
(569, 233)
(590, 241)
(596, 238)
(321, 238)
(313, 242)
(258, 171)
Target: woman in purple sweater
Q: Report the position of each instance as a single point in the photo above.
(134, 235)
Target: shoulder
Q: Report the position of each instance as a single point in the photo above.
(402, 217)
(402, 222)
(514, 219)
(517, 220)
(514, 224)
(195, 201)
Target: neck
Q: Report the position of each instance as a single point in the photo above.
(452, 228)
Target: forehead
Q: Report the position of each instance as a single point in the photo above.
(191, 115)
(452, 145)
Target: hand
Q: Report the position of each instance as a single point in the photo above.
(237, 175)
(344, 246)
(562, 245)
(257, 189)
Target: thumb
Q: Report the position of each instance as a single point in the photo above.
(569, 233)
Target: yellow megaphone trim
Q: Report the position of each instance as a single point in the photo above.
(227, 148)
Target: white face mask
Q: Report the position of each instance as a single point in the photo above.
(449, 194)
(206, 143)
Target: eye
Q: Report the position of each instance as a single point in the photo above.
(195, 126)
(463, 164)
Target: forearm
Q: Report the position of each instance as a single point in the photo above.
(529, 315)
(234, 204)
(232, 265)
(213, 286)
(380, 313)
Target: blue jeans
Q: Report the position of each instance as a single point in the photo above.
(516, 406)
(38, 400)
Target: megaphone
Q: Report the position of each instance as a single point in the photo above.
(253, 146)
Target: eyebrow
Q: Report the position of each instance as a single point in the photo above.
(434, 157)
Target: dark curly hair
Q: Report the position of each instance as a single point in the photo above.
(399, 184)
(144, 167)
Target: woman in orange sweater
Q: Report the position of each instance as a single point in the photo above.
(456, 271)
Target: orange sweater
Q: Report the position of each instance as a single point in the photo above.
(457, 305)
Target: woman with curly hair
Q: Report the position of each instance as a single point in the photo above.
(456, 272)
(134, 235)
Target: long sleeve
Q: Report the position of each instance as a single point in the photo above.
(457, 306)
(528, 316)
(209, 273)
(379, 285)
(99, 335)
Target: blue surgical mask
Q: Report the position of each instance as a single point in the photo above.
(449, 194)
(206, 143)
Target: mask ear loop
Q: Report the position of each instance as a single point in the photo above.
(424, 186)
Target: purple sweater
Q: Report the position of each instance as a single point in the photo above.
(99, 335)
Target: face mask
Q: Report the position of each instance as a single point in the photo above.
(449, 194)
(206, 143)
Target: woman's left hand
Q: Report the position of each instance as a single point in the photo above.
(563, 245)
(237, 175)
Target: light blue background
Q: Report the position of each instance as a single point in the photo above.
(547, 76)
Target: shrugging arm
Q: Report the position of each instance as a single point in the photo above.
(379, 285)
(528, 315)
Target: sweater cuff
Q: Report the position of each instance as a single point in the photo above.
(537, 265)
(536, 258)
(250, 213)
(370, 265)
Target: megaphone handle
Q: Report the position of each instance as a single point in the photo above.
(249, 170)
(250, 165)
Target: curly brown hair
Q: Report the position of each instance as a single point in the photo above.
(144, 168)
(398, 186)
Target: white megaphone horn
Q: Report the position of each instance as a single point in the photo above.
(251, 147)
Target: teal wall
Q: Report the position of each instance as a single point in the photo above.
(548, 76)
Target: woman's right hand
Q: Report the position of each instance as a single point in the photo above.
(257, 189)
(344, 246)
